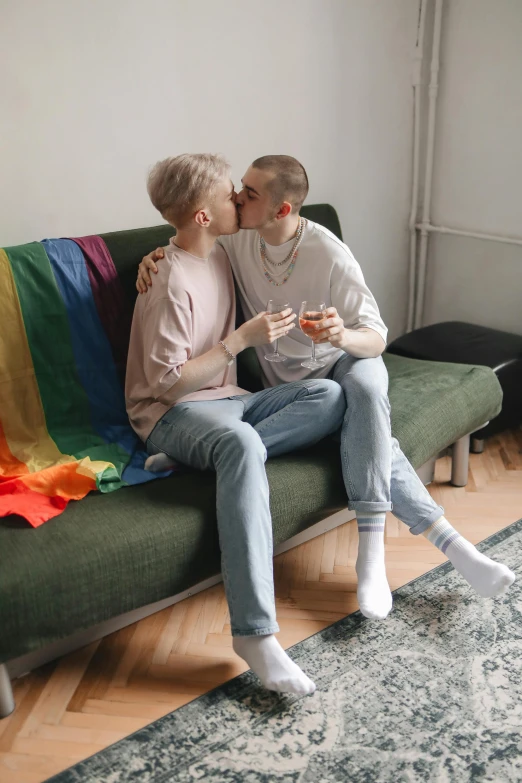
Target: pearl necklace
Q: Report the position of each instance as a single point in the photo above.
(292, 256)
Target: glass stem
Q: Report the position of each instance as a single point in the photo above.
(313, 351)
(275, 348)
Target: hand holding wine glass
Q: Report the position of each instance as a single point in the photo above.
(311, 314)
(276, 306)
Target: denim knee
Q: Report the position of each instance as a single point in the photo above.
(242, 440)
(336, 400)
(365, 382)
(330, 389)
(333, 399)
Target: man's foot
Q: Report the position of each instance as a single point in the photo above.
(484, 575)
(157, 463)
(275, 669)
(373, 591)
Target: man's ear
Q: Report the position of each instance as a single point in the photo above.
(202, 218)
(284, 210)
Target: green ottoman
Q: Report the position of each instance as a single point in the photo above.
(438, 404)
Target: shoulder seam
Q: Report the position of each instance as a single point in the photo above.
(330, 235)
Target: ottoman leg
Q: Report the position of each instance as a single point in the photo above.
(477, 445)
(7, 704)
(460, 462)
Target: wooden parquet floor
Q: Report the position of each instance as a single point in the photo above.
(74, 707)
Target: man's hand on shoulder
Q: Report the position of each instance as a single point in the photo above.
(148, 265)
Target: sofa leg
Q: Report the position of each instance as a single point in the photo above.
(7, 704)
(460, 462)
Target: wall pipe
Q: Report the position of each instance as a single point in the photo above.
(474, 234)
(416, 79)
(432, 113)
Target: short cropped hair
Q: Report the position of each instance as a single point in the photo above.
(179, 186)
(290, 182)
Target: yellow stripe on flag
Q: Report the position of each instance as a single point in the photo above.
(21, 410)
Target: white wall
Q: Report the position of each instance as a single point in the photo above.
(95, 91)
(478, 166)
(374, 141)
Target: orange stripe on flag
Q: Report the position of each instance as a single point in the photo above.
(9, 465)
(62, 481)
(41, 496)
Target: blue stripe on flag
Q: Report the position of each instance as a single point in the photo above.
(93, 356)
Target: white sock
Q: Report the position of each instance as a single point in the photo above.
(159, 462)
(275, 669)
(373, 590)
(484, 575)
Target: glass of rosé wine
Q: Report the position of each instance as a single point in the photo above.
(311, 314)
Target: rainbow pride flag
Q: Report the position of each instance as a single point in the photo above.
(64, 430)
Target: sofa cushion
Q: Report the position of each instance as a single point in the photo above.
(434, 404)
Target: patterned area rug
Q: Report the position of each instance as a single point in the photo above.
(433, 693)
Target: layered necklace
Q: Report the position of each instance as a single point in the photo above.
(290, 259)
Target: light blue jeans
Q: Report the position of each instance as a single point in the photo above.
(233, 437)
(377, 475)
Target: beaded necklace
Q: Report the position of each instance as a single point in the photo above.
(292, 256)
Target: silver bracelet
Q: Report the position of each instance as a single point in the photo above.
(230, 355)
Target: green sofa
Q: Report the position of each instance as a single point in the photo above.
(110, 559)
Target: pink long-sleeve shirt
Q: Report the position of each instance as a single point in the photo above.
(188, 310)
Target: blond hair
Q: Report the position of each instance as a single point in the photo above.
(290, 182)
(179, 186)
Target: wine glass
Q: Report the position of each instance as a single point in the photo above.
(276, 306)
(310, 314)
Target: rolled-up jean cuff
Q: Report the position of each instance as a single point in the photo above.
(425, 523)
(370, 506)
(257, 631)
